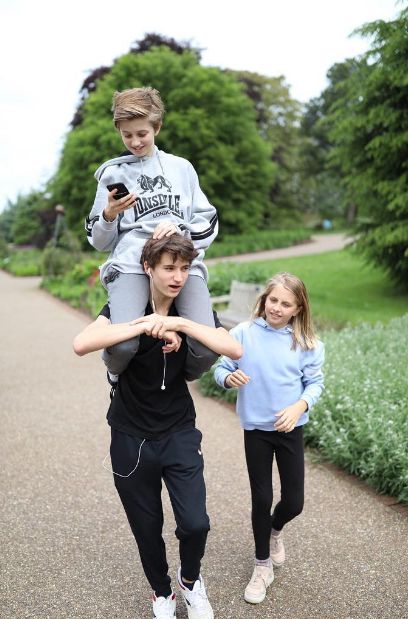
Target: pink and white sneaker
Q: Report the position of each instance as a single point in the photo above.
(261, 578)
(277, 550)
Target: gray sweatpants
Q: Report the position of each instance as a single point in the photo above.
(128, 297)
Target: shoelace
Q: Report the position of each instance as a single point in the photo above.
(198, 599)
(258, 577)
(165, 609)
(276, 543)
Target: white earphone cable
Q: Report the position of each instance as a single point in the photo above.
(132, 471)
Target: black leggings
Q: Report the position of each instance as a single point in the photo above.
(260, 447)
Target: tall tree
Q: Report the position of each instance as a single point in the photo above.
(278, 117)
(369, 123)
(209, 121)
(29, 220)
(149, 41)
(323, 194)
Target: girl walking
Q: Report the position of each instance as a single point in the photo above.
(279, 378)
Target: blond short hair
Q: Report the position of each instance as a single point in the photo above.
(138, 103)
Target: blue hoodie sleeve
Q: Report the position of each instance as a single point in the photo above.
(313, 375)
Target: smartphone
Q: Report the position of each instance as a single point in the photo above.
(122, 190)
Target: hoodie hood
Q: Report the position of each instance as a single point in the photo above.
(125, 157)
(263, 323)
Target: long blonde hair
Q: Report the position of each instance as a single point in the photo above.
(303, 334)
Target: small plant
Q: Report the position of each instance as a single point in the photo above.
(61, 258)
(22, 261)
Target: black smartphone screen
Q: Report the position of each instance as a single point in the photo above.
(122, 190)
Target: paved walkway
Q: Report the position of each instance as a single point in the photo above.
(66, 548)
(319, 243)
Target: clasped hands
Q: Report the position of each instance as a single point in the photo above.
(163, 328)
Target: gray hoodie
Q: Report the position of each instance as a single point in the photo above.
(167, 189)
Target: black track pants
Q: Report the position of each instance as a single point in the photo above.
(177, 460)
(260, 448)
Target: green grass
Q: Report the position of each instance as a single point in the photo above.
(343, 288)
(231, 245)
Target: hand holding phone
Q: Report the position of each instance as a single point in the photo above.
(122, 190)
(118, 202)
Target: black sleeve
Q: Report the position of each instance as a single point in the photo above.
(105, 311)
(216, 320)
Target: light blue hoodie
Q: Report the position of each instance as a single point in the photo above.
(279, 375)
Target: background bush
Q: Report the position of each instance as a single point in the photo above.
(61, 258)
(22, 262)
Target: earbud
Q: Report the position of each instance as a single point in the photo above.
(149, 272)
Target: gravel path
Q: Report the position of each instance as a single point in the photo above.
(66, 548)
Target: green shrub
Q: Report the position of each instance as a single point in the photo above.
(22, 261)
(80, 287)
(4, 250)
(61, 258)
(361, 421)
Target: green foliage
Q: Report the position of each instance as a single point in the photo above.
(6, 221)
(22, 262)
(361, 422)
(209, 121)
(263, 239)
(4, 249)
(369, 127)
(62, 257)
(322, 191)
(278, 117)
(80, 287)
(29, 220)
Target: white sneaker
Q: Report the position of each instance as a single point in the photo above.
(261, 578)
(198, 606)
(277, 550)
(164, 608)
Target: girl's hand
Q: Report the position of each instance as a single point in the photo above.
(115, 207)
(237, 379)
(165, 228)
(289, 416)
